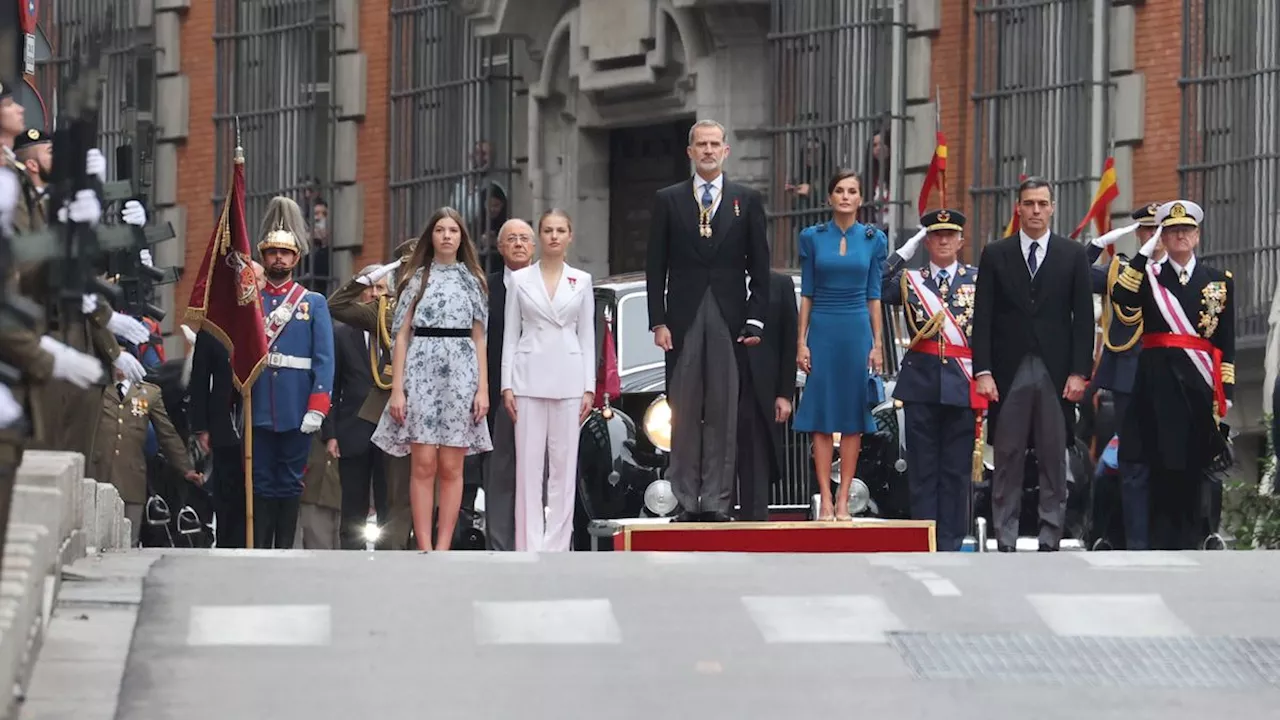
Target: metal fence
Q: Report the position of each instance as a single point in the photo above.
(274, 60)
(451, 123)
(1230, 158)
(836, 89)
(128, 87)
(1039, 107)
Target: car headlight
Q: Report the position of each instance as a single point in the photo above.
(657, 423)
(659, 498)
(859, 494)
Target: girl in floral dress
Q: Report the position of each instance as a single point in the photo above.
(440, 385)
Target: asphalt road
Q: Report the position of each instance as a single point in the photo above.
(469, 636)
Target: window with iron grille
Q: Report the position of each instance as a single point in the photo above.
(1230, 158)
(1034, 109)
(126, 131)
(451, 124)
(275, 59)
(832, 101)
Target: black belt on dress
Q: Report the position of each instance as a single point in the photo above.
(442, 332)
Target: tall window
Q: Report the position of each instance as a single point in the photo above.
(1230, 160)
(832, 101)
(1033, 108)
(275, 59)
(451, 103)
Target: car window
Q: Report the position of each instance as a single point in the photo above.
(635, 342)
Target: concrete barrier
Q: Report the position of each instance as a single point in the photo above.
(58, 516)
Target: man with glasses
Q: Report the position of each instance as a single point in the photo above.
(936, 379)
(515, 245)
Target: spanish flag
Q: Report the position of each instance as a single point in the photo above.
(1014, 223)
(936, 177)
(1100, 210)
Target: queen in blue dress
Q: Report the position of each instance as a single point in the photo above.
(839, 334)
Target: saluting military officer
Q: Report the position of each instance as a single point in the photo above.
(375, 317)
(291, 396)
(1121, 344)
(119, 455)
(936, 378)
(1186, 373)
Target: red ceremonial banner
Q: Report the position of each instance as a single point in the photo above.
(225, 299)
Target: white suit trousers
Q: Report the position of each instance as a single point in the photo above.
(546, 434)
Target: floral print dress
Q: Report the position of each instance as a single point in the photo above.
(440, 373)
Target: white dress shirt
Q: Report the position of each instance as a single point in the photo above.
(717, 190)
(1026, 240)
(1190, 268)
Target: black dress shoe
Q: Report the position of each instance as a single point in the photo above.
(688, 516)
(717, 517)
(1006, 548)
(1046, 547)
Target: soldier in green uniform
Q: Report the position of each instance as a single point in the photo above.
(375, 317)
(119, 455)
(38, 359)
(321, 505)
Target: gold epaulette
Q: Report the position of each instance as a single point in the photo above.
(1228, 373)
(1130, 279)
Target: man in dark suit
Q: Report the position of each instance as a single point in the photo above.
(707, 249)
(1032, 356)
(771, 387)
(361, 464)
(216, 416)
(515, 245)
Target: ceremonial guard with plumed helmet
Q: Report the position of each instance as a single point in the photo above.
(291, 396)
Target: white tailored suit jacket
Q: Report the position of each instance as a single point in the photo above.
(549, 345)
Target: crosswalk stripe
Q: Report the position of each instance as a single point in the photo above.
(259, 625)
(1108, 615)
(821, 618)
(1133, 559)
(546, 622)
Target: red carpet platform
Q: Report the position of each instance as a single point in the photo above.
(859, 536)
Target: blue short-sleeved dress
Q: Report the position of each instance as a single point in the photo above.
(835, 394)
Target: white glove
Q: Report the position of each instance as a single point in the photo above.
(1150, 246)
(89, 304)
(10, 189)
(128, 328)
(312, 421)
(85, 208)
(96, 164)
(909, 248)
(378, 274)
(130, 366)
(1111, 237)
(134, 214)
(72, 365)
(144, 257)
(10, 410)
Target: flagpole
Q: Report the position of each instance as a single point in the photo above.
(246, 397)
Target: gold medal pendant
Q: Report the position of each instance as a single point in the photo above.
(704, 230)
(844, 245)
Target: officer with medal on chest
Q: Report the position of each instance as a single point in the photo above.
(1117, 366)
(936, 378)
(291, 396)
(1186, 373)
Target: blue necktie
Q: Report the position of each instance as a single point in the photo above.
(706, 196)
(1032, 261)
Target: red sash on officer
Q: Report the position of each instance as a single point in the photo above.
(954, 343)
(277, 319)
(1205, 356)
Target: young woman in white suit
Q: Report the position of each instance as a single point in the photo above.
(548, 383)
